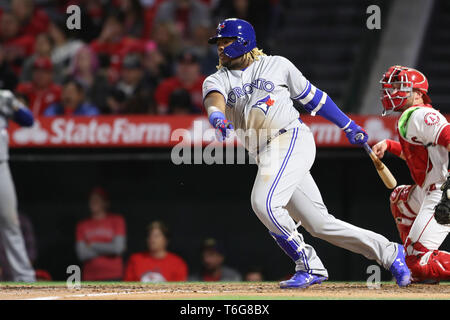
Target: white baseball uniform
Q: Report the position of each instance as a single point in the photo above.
(419, 128)
(259, 99)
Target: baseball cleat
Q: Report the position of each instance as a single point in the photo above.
(302, 279)
(399, 269)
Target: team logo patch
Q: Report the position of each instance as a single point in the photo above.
(431, 118)
(264, 104)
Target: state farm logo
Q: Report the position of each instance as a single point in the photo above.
(431, 118)
(62, 131)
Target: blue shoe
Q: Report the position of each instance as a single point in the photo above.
(302, 279)
(399, 269)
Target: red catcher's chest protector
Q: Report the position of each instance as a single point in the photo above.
(416, 154)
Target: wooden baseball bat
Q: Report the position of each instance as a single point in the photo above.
(383, 171)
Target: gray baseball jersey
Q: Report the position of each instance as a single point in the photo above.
(259, 98)
(10, 233)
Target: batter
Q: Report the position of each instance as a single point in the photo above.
(252, 94)
(11, 236)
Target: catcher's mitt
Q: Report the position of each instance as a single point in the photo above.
(442, 209)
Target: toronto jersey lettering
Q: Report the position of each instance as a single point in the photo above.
(260, 96)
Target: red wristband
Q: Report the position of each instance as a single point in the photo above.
(394, 147)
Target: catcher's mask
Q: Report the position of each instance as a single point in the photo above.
(397, 85)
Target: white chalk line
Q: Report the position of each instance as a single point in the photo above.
(122, 293)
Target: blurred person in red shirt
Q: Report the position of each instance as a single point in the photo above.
(101, 240)
(188, 77)
(157, 264)
(32, 20)
(43, 48)
(113, 44)
(41, 91)
(16, 46)
(73, 102)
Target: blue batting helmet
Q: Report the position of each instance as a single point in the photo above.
(239, 29)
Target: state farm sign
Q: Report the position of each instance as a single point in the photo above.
(164, 131)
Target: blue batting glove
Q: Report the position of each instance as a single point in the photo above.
(223, 127)
(355, 134)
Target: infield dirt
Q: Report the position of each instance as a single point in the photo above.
(218, 291)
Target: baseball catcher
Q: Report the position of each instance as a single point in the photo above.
(421, 211)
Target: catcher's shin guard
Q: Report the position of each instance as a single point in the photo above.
(429, 265)
(403, 215)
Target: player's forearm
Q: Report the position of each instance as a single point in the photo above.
(318, 102)
(115, 247)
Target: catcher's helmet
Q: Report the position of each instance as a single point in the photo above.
(397, 84)
(239, 29)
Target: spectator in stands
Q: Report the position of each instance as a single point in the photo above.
(8, 79)
(41, 91)
(101, 240)
(185, 14)
(93, 13)
(213, 267)
(65, 47)
(168, 40)
(114, 45)
(134, 17)
(150, 9)
(206, 53)
(188, 77)
(16, 46)
(157, 264)
(156, 65)
(115, 101)
(254, 274)
(43, 47)
(73, 102)
(32, 20)
(86, 69)
(180, 102)
(138, 93)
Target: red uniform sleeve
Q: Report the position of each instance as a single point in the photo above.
(394, 147)
(444, 136)
(130, 272)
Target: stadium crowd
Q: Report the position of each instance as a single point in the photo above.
(128, 57)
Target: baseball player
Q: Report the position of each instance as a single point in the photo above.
(11, 236)
(424, 136)
(252, 94)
